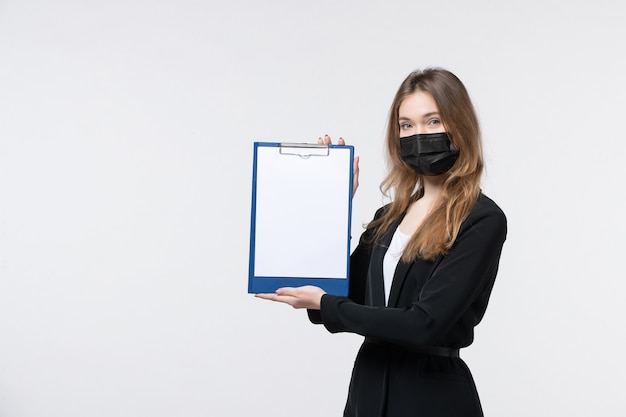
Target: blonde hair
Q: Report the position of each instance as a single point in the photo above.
(461, 186)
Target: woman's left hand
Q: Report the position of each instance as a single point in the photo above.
(307, 296)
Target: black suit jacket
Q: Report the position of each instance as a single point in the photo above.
(431, 303)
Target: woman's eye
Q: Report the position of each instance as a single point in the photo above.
(434, 122)
(405, 126)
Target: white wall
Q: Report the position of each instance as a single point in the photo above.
(126, 132)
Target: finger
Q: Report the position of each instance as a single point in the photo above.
(327, 140)
(287, 292)
(340, 141)
(320, 141)
(355, 178)
(266, 296)
(279, 298)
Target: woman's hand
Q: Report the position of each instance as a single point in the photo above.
(299, 297)
(355, 178)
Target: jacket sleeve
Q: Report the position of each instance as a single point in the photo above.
(457, 290)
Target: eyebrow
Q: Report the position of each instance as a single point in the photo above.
(426, 116)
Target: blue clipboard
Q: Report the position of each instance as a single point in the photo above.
(301, 217)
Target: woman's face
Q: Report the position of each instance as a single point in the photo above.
(418, 114)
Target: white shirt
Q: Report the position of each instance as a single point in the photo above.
(392, 257)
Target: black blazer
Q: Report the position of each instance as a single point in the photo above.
(431, 303)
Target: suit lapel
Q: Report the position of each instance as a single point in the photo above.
(402, 270)
(375, 294)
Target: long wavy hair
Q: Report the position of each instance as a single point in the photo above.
(461, 186)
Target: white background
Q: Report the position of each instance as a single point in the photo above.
(126, 131)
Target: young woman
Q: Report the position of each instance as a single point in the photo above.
(423, 271)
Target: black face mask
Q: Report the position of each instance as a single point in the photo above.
(429, 153)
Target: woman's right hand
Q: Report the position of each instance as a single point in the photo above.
(325, 140)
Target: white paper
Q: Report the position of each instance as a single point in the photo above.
(302, 214)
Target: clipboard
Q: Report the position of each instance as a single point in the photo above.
(301, 217)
